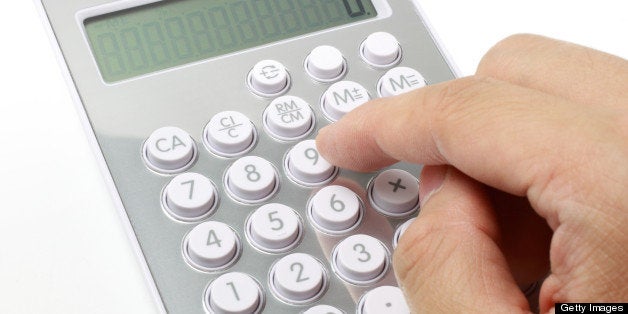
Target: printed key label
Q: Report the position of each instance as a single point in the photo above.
(289, 111)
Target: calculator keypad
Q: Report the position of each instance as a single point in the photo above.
(334, 208)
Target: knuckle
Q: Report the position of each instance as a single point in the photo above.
(507, 53)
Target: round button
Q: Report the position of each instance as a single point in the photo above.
(325, 63)
(400, 80)
(383, 300)
(251, 179)
(381, 49)
(269, 78)
(288, 118)
(234, 293)
(395, 193)
(274, 228)
(360, 259)
(342, 97)
(306, 166)
(400, 231)
(189, 196)
(229, 134)
(298, 278)
(211, 246)
(169, 150)
(335, 209)
(323, 309)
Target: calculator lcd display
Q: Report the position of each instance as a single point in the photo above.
(167, 34)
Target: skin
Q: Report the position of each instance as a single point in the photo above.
(525, 178)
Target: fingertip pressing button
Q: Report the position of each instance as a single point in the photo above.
(251, 179)
(268, 78)
(306, 166)
(360, 259)
(229, 134)
(381, 49)
(325, 63)
(288, 118)
(189, 197)
(169, 150)
(234, 293)
(342, 97)
(211, 246)
(383, 300)
(395, 193)
(400, 80)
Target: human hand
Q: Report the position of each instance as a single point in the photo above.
(537, 138)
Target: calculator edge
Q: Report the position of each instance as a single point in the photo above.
(100, 159)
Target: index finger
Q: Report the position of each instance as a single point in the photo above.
(506, 136)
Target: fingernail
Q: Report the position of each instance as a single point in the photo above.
(432, 178)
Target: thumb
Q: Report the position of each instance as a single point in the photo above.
(449, 261)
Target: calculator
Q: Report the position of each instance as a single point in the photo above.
(204, 115)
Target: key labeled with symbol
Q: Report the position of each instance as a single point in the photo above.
(169, 150)
(288, 118)
(383, 300)
(229, 134)
(342, 97)
(400, 80)
(268, 78)
(394, 193)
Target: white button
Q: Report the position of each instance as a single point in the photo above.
(235, 293)
(288, 117)
(274, 227)
(211, 246)
(400, 80)
(383, 300)
(400, 231)
(360, 259)
(306, 166)
(169, 150)
(298, 277)
(395, 193)
(251, 179)
(229, 133)
(269, 78)
(381, 49)
(342, 97)
(323, 309)
(335, 209)
(325, 63)
(189, 196)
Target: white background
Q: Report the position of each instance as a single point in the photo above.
(62, 247)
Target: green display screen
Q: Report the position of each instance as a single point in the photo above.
(170, 33)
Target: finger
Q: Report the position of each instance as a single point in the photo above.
(505, 136)
(559, 68)
(449, 261)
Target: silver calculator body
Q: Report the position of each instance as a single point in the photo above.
(122, 110)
